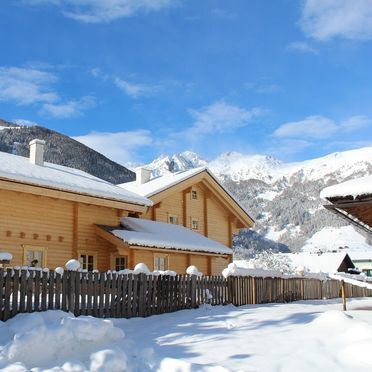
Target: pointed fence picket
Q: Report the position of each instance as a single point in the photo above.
(125, 296)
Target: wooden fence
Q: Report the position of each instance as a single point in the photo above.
(112, 295)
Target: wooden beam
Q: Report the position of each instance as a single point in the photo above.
(349, 218)
(230, 232)
(111, 238)
(51, 192)
(350, 204)
(206, 196)
(75, 229)
(153, 211)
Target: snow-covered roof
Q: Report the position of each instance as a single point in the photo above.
(360, 256)
(18, 168)
(325, 262)
(158, 184)
(354, 188)
(161, 183)
(147, 233)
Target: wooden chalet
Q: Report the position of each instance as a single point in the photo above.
(51, 213)
(196, 200)
(352, 200)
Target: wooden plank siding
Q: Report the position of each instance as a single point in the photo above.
(62, 228)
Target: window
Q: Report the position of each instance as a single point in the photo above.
(173, 219)
(160, 262)
(87, 262)
(34, 256)
(121, 262)
(194, 224)
(194, 194)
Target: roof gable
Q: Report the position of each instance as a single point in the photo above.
(157, 189)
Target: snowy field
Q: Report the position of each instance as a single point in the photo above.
(301, 336)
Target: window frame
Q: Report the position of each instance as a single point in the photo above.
(87, 253)
(194, 195)
(35, 248)
(162, 256)
(120, 256)
(192, 221)
(173, 216)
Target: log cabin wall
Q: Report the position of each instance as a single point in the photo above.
(61, 229)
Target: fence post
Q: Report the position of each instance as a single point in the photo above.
(254, 291)
(193, 291)
(302, 289)
(343, 295)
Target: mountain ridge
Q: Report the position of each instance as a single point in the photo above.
(283, 198)
(63, 150)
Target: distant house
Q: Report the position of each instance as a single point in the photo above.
(51, 213)
(196, 200)
(362, 261)
(352, 200)
(328, 262)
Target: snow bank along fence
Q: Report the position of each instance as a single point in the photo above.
(130, 295)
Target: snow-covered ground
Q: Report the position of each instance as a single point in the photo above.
(344, 238)
(301, 336)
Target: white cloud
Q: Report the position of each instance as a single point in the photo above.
(121, 147)
(315, 126)
(68, 109)
(131, 89)
(301, 46)
(134, 90)
(25, 86)
(100, 11)
(355, 122)
(220, 117)
(320, 127)
(288, 146)
(327, 19)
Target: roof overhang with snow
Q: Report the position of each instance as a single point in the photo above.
(158, 188)
(52, 180)
(352, 200)
(147, 234)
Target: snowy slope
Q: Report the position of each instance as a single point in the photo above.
(283, 198)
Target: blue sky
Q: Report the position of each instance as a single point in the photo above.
(137, 78)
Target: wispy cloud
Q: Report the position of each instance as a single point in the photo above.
(220, 117)
(320, 127)
(318, 130)
(68, 109)
(25, 86)
(303, 47)
(122, 147)
(130, 88)
(31, 86)
(327, 19)
(224, 14)
(103, 11)
(315, 126)
(263, 87)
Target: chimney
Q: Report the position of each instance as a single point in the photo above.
(37, 152)
(143, 175)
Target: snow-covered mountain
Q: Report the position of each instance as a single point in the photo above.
(283, 198)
